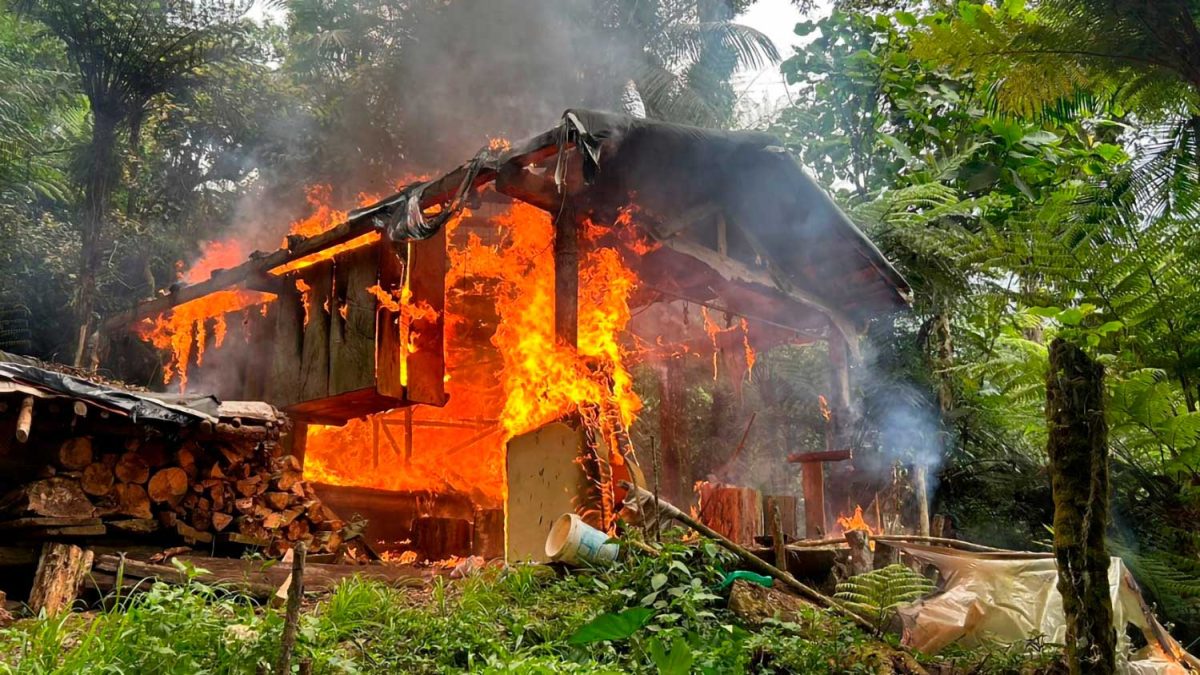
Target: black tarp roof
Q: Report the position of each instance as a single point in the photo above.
(18, 373)
(664, 168)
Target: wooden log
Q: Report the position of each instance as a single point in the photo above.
(59, 575)
(75, 453)
(220, 521)
(861, 561)
(24, 419)
(97, 479)
(735, 512)
(142, 570)
(132, 500)
(191, 535)
(132, 468)
(168, 485)
(439, 538)
(489, 533)
(55, 497)
(277, 500)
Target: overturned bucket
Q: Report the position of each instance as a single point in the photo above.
(574, 542)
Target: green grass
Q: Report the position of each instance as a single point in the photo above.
(522, 620)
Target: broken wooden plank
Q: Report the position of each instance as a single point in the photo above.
(39, 522)
(60, 573)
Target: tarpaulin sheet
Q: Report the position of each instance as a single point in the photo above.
(989, 599)
(138, 407)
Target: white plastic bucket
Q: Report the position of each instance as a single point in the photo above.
(575, 542)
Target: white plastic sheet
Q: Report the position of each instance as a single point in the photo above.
(989, 598)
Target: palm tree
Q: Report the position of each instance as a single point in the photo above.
(126, 54)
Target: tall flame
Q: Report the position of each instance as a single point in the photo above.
(506, 372)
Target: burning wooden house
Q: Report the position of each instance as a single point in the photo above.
(457, 356)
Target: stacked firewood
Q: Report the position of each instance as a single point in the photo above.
(223, 482)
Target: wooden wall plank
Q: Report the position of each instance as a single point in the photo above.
(314, 364)
(389, 353)
(352, 337)
(283, 381)
(427, 281)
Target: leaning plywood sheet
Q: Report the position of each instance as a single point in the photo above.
(545, 480)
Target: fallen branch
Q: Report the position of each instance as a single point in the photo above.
(906, 539)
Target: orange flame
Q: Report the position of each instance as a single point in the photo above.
(507, 374)
(856, 522)
(184, 330)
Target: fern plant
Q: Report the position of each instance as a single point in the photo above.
(878, 594)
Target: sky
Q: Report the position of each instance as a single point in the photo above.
(764, 91)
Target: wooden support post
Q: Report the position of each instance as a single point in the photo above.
(25, 419)
(299, 441)
(60, 573)
(408, 434)
(813, 485)
(292, 616)
(566, 277)
(778, 540)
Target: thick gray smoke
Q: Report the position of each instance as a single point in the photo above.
(480, 68)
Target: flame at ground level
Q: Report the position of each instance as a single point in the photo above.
(856, 522)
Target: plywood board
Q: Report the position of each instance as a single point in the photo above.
(545, 481)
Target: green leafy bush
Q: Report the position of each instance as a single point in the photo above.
(878, 594)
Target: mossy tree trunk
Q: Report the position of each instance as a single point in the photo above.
(1078, 448)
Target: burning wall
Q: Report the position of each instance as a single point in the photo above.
(744, 248)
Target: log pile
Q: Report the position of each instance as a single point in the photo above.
(214, 483)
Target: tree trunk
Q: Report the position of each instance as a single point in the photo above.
(1078, 448)
(99, 183)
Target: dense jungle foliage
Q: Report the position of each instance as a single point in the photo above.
(1031, 168)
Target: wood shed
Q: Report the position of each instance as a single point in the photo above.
(733, 222)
